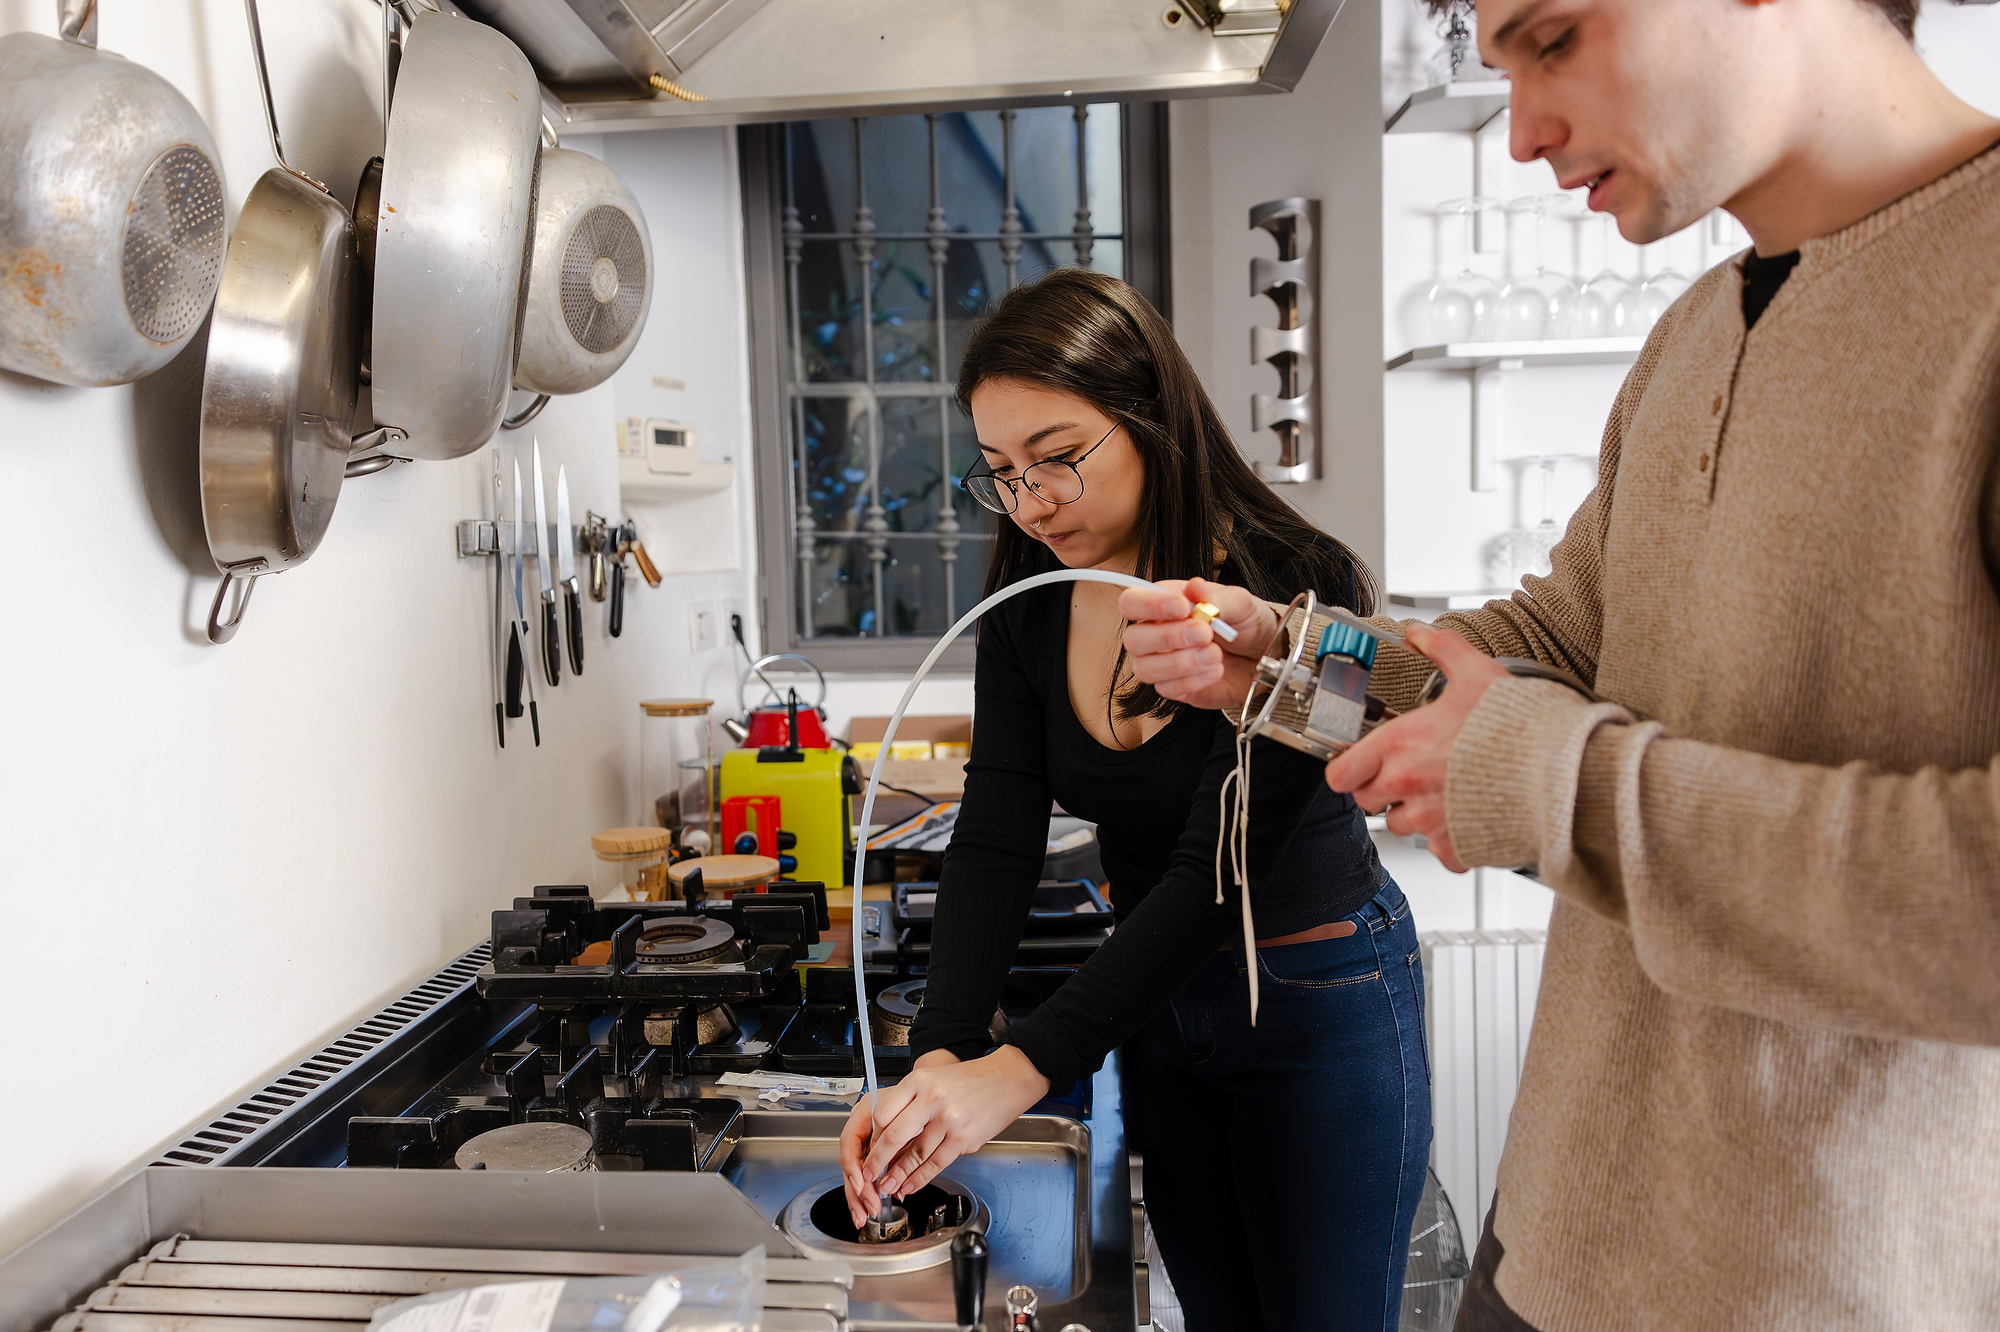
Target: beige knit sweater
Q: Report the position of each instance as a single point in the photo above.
(1762, 1091)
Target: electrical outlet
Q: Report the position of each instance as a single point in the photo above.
(704, 626)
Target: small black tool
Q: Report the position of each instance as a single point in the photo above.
(968, 1276)
(617, 598)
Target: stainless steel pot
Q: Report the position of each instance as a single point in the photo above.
(111, 210)
(283, 373)
(591, 282)
(453, 240)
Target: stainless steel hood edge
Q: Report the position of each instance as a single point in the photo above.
(800, 59)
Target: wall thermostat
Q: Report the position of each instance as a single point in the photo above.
(660, 459)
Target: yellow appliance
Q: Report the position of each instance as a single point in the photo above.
(812, 790)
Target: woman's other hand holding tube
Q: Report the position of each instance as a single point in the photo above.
(1176, 652)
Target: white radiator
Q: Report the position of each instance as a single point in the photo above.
(1479, 1007)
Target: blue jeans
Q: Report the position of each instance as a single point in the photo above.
(1284, 1162)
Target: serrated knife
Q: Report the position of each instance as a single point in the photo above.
(545, 546)
(566, 571)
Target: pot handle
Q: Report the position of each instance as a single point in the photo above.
(76, 21)
(375, 439)
(270, 109)
(526, 414)
(221, 631)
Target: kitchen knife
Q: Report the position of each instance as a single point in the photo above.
(499, 605)
(566, 564)
(551, 643)
(517, 632)
(617, 598)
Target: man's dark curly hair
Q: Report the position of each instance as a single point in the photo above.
(1901, 13)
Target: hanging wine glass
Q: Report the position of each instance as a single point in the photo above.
(1528, 550)
(1659, 291)
(1541, 304)
(1460, 307)
(1608, 306)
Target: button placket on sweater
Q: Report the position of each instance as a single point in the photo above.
(1708, 453)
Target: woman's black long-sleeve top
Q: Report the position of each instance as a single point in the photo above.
(1157, 816)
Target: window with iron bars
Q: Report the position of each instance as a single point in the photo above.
(875, 243)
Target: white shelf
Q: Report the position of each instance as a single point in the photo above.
(1555, 351)
(1449, 106)
(1444, 601)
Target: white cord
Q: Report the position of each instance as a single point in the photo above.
(1234, 831)
(862, 1032)
(1233, 838)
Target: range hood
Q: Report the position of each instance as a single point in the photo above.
(610, 65)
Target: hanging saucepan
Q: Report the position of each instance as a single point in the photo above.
(453, 238)
(277, 400)
(591, 282)
(111, 213)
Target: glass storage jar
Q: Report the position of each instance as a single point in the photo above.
(634, 859)
(674, 732)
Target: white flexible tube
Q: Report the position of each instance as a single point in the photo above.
(862, 1029)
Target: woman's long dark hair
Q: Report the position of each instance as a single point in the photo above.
(1094, 337)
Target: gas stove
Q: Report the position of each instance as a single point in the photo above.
(589, 1041)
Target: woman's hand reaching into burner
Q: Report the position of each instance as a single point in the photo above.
(942, 1110)
(1180, 655)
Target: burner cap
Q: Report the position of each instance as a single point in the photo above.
(685, 939)
(540, 1148)
(899, 1003)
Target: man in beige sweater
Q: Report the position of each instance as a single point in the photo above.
(1762, 1090)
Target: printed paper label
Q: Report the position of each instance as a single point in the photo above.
(519, 1306)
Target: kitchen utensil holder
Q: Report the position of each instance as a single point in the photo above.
(1291, 281)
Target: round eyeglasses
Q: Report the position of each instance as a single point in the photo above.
(1053, 480)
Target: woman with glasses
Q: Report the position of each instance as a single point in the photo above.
(1283, 1161)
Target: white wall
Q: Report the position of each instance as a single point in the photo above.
(214, 856)
(1322, 141)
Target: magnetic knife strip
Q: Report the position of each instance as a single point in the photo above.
(189, 1285)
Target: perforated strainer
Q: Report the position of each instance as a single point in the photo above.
(173, 244)
(111, 212)
(592, 279)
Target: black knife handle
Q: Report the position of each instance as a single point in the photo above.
(551, 647)
(516, 669)
(500, 724)
(617, 599)
(536, 718)
(573, 604)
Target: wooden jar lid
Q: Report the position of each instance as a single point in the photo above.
(676, 707)
(726, 871)
(630, 841)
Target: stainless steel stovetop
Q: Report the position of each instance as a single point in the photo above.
(272, 1170)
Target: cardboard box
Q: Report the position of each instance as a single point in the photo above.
(870, 730)
(940, 776)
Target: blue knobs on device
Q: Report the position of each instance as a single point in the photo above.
(1348, 641)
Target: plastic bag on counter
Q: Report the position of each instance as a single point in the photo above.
(720, 1296)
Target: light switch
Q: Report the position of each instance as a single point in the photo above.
(704, 626)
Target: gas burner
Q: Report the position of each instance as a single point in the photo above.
(541, 1149)
(817, 1221)
(693, 939)
(896, 1011)
(714, 1024)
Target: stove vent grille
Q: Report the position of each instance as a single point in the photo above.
(256, 1115)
